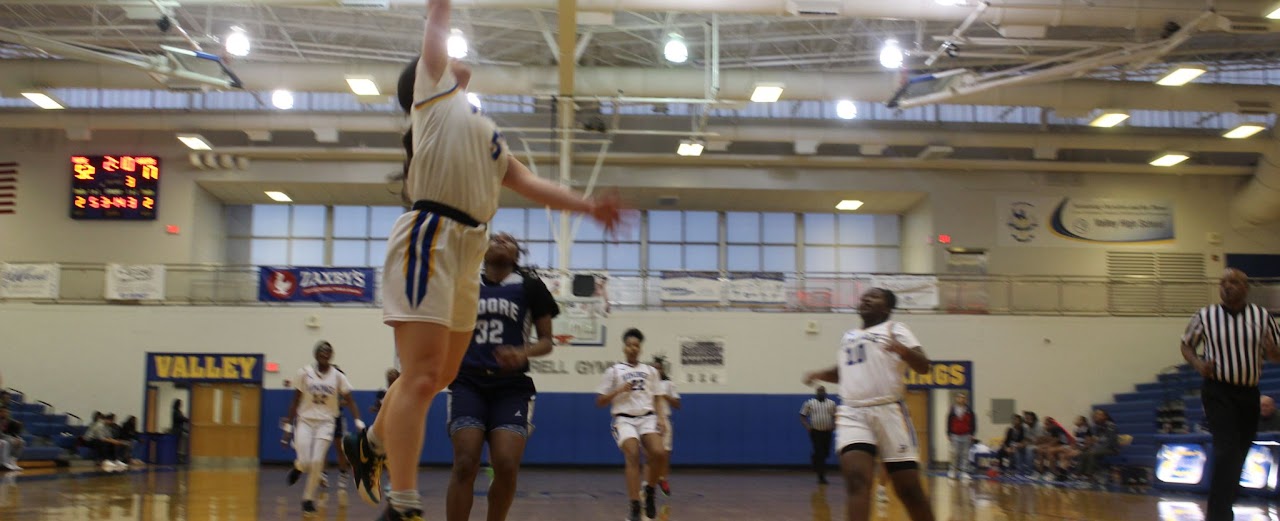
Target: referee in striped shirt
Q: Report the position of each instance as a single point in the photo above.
(818, 415)
(1235, 335)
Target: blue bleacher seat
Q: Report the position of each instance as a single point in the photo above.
(43, 452)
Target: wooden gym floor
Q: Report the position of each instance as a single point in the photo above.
(560, 495)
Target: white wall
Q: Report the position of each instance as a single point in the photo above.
(42, 228)
(917, 244)
(86, 358)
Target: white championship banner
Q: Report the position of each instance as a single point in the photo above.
(135, 282)
(29, 281)
(760, 289)
(691, 288)
(913, 291)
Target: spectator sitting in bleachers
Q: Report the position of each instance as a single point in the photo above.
(1034, 433)
(11, 442)
(1067, 454)
(128, 432)
(1268, 421)
(107, 449)
(1047, 449)
(1013, 445)
(1105, 442)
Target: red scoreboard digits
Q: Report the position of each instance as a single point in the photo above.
(114, 187)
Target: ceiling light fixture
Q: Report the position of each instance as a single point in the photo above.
(237, 42)
(849, 204)
(676, 51)
(473, 99)
(363, 85)
(195, 141)
(279, 197)
(1181, 75)
(767, 92)
(457, 44)
(1243, 131)
(282, 99)
(891, 56)
(1109, 118)
(43, 100)
(690, 148)
(846, 109)
(1170, 159)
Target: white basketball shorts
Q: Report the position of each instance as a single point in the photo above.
(432, 273)
(886, 426)
(625, 428)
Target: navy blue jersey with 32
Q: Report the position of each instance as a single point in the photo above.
(505, 316)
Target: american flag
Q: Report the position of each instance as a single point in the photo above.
(8, 187)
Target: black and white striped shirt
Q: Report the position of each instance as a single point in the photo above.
(821, 414)
(1233, 341)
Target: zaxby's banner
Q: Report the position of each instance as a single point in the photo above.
(1068, 222)
(303, 284)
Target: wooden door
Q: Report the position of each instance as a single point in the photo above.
(149, 418)
(224, 421)
(918, 407)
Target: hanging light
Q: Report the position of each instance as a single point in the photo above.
(282, 99)
(891, 56)
(237, 42)
(457, 44)
(846, 109)
(676, 51)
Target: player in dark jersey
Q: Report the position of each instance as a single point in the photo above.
(492, 397)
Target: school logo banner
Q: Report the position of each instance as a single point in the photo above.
(1071, 222)
(304, 284)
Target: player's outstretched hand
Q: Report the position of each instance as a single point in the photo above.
(606, 209)
(511, 358)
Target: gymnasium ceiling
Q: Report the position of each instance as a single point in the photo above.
(308, 45)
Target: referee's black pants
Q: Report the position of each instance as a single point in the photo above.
(1232, 411)
(821, 441)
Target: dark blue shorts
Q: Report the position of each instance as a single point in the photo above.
(491, 403)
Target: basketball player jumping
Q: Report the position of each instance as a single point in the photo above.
(315, 409)
(457, 166)
(632, 390)
(872, 418)
(493, 395)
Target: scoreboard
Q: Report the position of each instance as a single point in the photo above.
(115, 187)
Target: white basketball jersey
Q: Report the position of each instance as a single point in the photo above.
(459, 157)
(320, 393)
(870, 374)
(666, 388)
(644, 383)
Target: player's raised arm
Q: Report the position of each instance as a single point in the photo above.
(435, 42)
(606, 208)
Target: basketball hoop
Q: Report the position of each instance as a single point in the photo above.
(563, 339)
